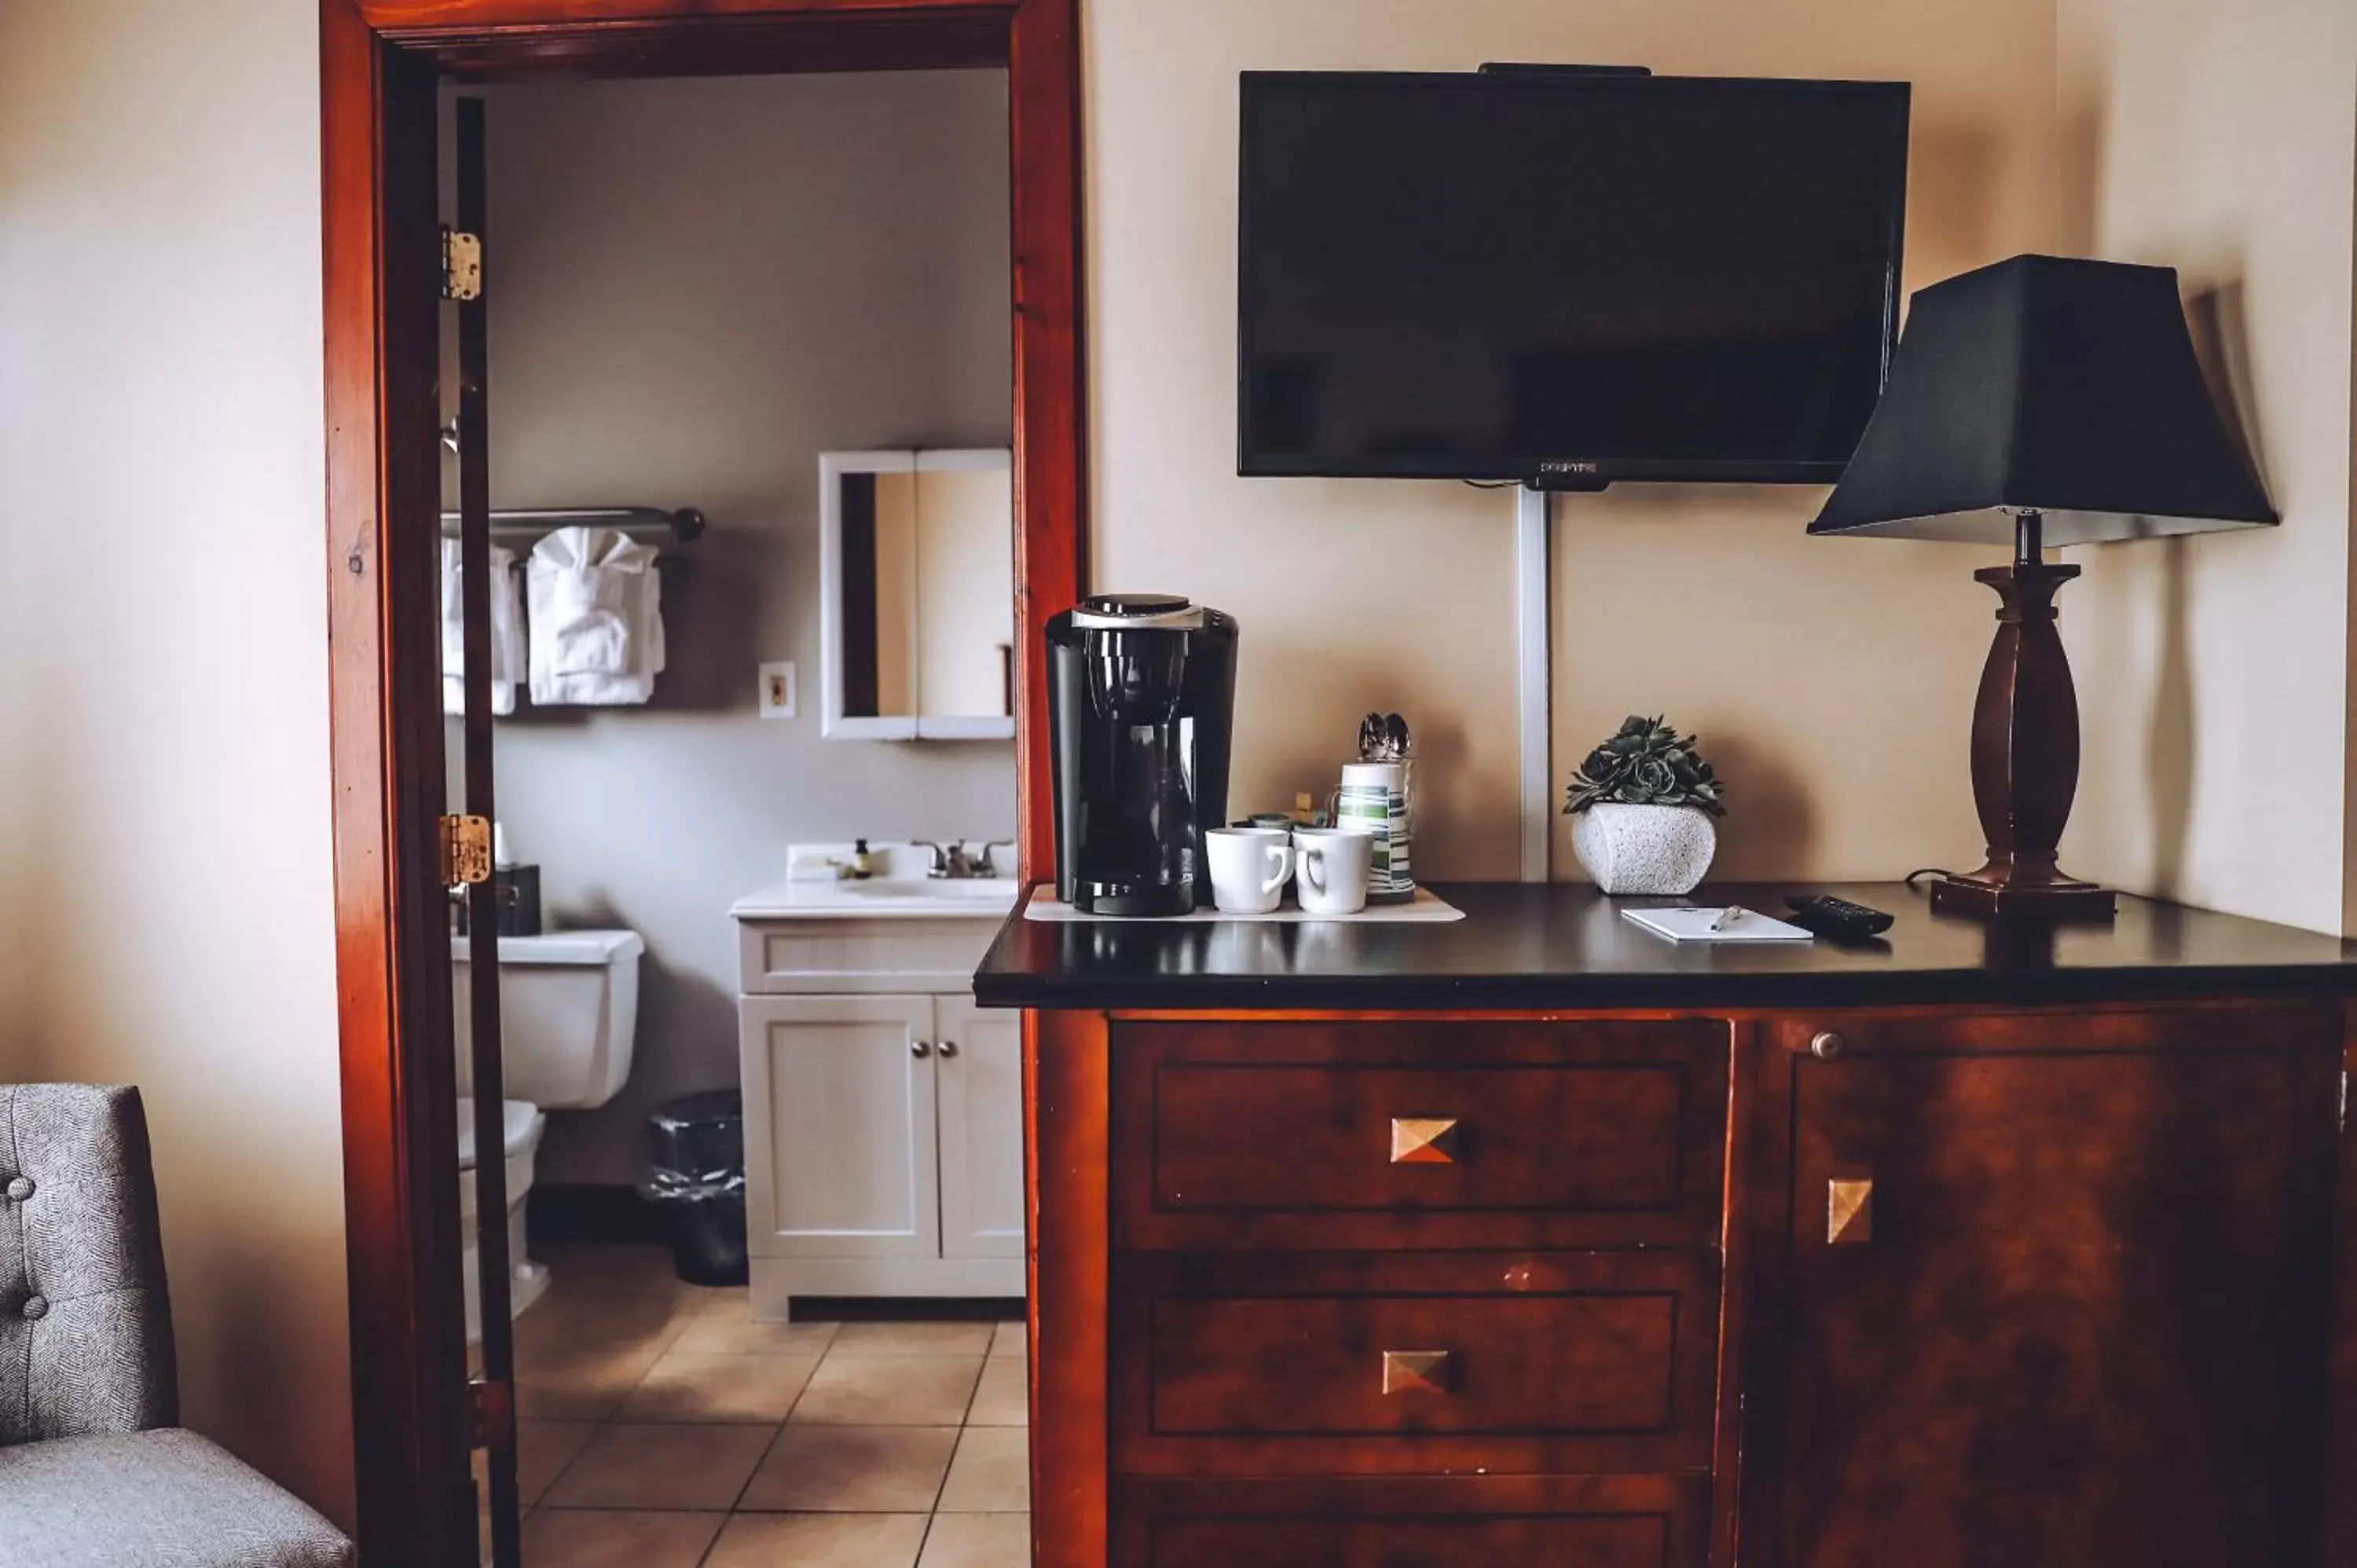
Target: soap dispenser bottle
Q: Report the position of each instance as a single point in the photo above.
(515, 888)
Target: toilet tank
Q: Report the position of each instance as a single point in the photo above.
(568, 1015)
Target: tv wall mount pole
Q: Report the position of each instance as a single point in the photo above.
(1534, 678)
(1535, 652)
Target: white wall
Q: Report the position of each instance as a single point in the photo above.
(164, 817)
(1832, 681)
(699, 286)
(2216, 137)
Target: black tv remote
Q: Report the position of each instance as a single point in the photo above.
(1837, 918)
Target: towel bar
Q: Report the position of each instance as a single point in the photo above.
(666, 531)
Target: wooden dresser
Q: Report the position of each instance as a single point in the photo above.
(1532, 1242)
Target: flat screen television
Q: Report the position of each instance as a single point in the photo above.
(1566, 279)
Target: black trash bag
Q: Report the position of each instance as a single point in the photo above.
(696, 1176)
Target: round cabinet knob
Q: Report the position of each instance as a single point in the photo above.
(1827, 1045)
(919, 1049)
(948, 1050)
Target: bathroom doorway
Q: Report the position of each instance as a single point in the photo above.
(384, 64)
(776, 308)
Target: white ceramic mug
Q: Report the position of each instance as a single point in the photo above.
(1331, 866)
(1249, 866)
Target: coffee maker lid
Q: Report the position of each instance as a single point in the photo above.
(1133, 612)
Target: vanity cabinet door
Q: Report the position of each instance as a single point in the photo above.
(979, 1076)
(2052, 1289)
(841, 1160)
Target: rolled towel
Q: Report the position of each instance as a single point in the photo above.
(595, 635)
(506, 632)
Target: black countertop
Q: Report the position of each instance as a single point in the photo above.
(1563, 945)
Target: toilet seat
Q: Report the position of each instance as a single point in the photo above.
(521, 1125)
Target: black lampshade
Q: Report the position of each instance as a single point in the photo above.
(2045, 383)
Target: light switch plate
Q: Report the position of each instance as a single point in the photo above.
(777, 691)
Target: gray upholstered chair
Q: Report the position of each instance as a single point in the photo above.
(93, 1471)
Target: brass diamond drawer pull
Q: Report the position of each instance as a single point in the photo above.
(1849, 1212)
(1416, 1371)
(1424, 1139)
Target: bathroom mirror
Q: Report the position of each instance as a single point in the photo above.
(918, 584)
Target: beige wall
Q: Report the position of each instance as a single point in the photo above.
(1831, 681)
(2215, 136)
(164, 821)
(701, 285)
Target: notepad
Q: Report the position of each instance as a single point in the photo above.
(1691, 923)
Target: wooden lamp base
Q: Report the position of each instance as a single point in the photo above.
(1988, 895)
(2025, 753)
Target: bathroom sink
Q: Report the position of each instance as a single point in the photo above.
(961, 890)
(900, 894)
(899, 897)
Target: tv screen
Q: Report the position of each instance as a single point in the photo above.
(1567, 277)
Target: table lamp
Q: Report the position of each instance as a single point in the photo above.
(2041, 401)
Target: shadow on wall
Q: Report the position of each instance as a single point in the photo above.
(2211, 272)
(2215, 314)
(1770, 827)
(1476, 828)
(1951, 211)
(1460, 829)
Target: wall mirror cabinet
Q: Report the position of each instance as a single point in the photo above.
(918, 584)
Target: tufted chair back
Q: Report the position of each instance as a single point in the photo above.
(85, 1325)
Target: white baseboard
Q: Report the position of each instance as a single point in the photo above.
(777, 1281)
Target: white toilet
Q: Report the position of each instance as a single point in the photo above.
(568, 1017)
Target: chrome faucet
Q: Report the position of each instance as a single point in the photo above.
(955, 862)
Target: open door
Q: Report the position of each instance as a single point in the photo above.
(493, 1369)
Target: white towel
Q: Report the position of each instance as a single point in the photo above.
(506, 632)
(597, 631)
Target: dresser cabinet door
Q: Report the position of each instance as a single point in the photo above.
(840, 1148)
(2040, 1289)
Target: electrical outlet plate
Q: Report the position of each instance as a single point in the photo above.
(777, 691)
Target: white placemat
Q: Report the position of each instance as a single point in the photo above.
(1427, 905)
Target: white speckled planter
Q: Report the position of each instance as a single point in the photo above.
(1644, 849)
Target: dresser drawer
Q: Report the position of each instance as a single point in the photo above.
(1414, 1363)
(1610, 1521)
(1408, 1134)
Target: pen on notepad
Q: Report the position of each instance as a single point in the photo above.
(1726, 917)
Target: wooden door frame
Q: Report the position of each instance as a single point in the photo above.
(380, 61)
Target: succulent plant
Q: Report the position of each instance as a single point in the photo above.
(1645, 763)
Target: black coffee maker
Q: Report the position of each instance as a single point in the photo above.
(1141, 709)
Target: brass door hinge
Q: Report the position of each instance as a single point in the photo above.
(466, 844)
(490, 1410)
(462, 264)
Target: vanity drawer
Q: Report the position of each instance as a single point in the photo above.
(839, 954)
(1512, 1363)
(1418, 1134)
(1554, 1521)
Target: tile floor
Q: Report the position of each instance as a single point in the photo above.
(660, 1426)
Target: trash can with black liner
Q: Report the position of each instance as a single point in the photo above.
(696, 1145)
